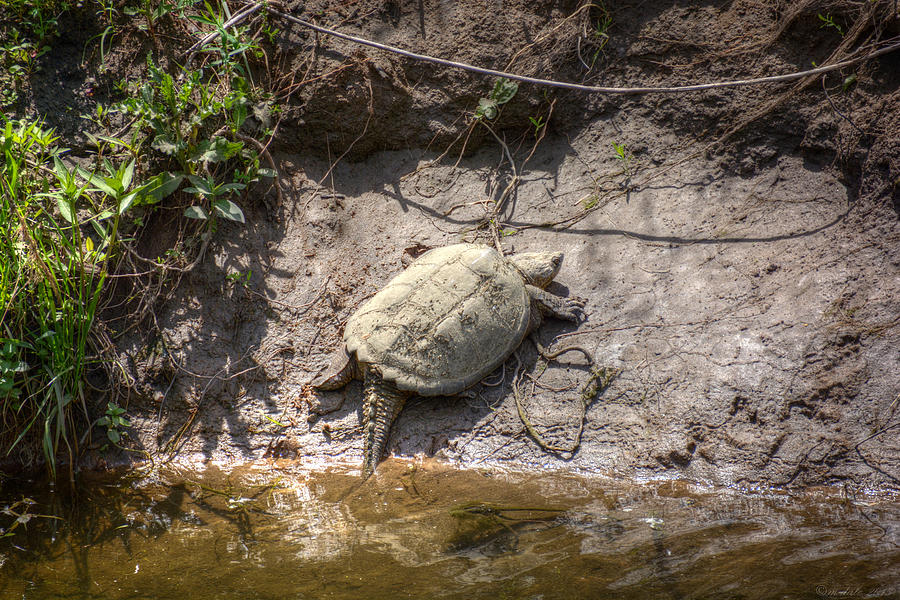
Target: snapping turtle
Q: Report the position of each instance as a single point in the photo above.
(456, 314)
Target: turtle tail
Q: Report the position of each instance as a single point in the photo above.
(383, 402)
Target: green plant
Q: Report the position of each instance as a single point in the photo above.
(11, 367)
(590, 201)
(113, 420)
(848, 82)
(231, 44)
(207, 188)
(600, 32)
(621, 154)
(829, 22)
(52, 278)
(178, 113)
(153, 12)
(503, 92)
(50, 292)
(538, 123)
(238, 277)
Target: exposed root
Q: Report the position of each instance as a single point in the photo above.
(597, 383)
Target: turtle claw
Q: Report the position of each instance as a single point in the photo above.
(572, 309)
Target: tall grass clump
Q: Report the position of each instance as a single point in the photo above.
(51, 278)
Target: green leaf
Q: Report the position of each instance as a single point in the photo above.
(201, 186)
(848, 82)
(163, 185)
(195, 212)
(486, 108)
(239, 115)
(97, 181)
(164, 144)
(99, 228)
(266, 172)
(127, 174)
(126, 202)
(66, 208)
(113, 436)
(228, 209)
(62, 173)
(504, 90)
(216, 150)
(112, 140)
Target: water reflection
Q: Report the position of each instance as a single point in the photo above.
(423, 531)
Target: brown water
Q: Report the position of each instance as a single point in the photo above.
(428, 532)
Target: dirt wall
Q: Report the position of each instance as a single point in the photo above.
(739, 253)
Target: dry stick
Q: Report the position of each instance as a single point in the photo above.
(590, 88)
(492, 222)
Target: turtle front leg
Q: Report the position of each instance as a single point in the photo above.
(382, 403)
(566, 308)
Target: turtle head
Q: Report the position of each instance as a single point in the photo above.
(538, 268)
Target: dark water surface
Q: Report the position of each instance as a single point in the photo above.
(422, 531)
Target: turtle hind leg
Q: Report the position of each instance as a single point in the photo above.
(382, 403)
(342, 369)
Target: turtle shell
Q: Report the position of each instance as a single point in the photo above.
(451, 318)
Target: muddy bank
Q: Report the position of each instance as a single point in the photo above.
(738, 248)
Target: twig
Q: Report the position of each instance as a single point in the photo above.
(839, 113)
(206, 236)
(876, 434)
(591, 88)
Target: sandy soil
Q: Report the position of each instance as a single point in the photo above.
(741, 270)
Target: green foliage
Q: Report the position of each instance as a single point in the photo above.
(49, 284)
(59, 229)
(207, 188)
(153, 11)
(590, 201)
(231, 45)
(26, 29)
(623, 157)
(621, 153)
(503, 92)
(62, 227)
(829, 22)
(241, 278)
(601, 32)
(177, 112)
(113, 420)
(848, 82)
(537, 123)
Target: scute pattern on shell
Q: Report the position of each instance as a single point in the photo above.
(445, 323)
